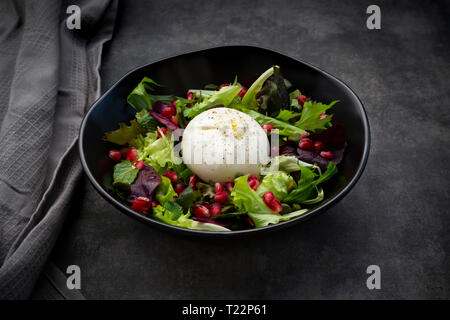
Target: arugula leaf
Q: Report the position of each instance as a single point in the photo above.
(279, 182)
(249, 98)
(309, 119)
(285, 129)
(246, 199)
(165, 193)
(287, 164)
(146, 120)
(139, 98)
(188, 198)
(307, 186)
(224, 97)
(167, 215)
(125, 133)
(286, 115)
(124, 173)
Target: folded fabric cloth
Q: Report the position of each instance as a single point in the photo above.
(50, 77)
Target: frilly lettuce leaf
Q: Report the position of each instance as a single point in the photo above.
(309, 119)
(139, 98)
(165, 192)
(247, 200)
(287, 164)
(223, 97)
(171, 214)
(125, 133)
(279, 182)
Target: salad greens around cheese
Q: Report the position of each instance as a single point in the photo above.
(152, 178)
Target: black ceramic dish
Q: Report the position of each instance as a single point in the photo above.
(217, 65)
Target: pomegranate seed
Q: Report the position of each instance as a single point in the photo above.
(141, 204)
(201, 211)
(229, 185)
(131, 154)
(301, 100)
(323, 115)
(253, 183)
(218, 187)
(115, 155)
(267, 127)
(224, 85)
(318, 146)
(216, 209)
(327, 155)
(242, 93)
(162, 131)
(276, 206)
(221, 197)
(193, 180)
(171, 175)
(190, 96)
(305, 144)
(253, 177)
(304, 136)
(168, 112)
(268, 197)
(274, 151)
(155, 204)
(207, 206)
(175, 121)
(179, 188)
(139, 165)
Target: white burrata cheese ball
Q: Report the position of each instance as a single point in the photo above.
(220, 144)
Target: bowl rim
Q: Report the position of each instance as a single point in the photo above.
(153, 222)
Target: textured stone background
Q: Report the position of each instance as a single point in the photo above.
(397, 216)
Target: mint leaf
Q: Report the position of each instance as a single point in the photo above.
(309, 119)
(124, 173)
(125, 133)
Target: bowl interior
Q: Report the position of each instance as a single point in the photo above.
(219, 65)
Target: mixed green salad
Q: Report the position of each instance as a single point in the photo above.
(153, 180)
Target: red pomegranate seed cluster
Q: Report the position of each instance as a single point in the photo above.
(171, 175)
(273, 203)
(316, 146)
(131, 154)
(253, 182)
(267, 127)
(141, 204)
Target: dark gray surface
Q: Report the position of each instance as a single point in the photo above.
(397, 215)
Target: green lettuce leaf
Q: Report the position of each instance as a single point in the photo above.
(165, 214)
(139, 98)
(307, 185)
(222, 97)
(164, 192)
(309, 119)
(286, 115)
(160, 155)
(124, 173)
(188, 198)
(249, 99)
(125, 133)
(284, 128)
(146, 120)
(287, 164)
(280, 183)
(247, 200)
(273, 96)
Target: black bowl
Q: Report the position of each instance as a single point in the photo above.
(218, 65)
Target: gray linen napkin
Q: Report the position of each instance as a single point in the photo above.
(48, 78)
